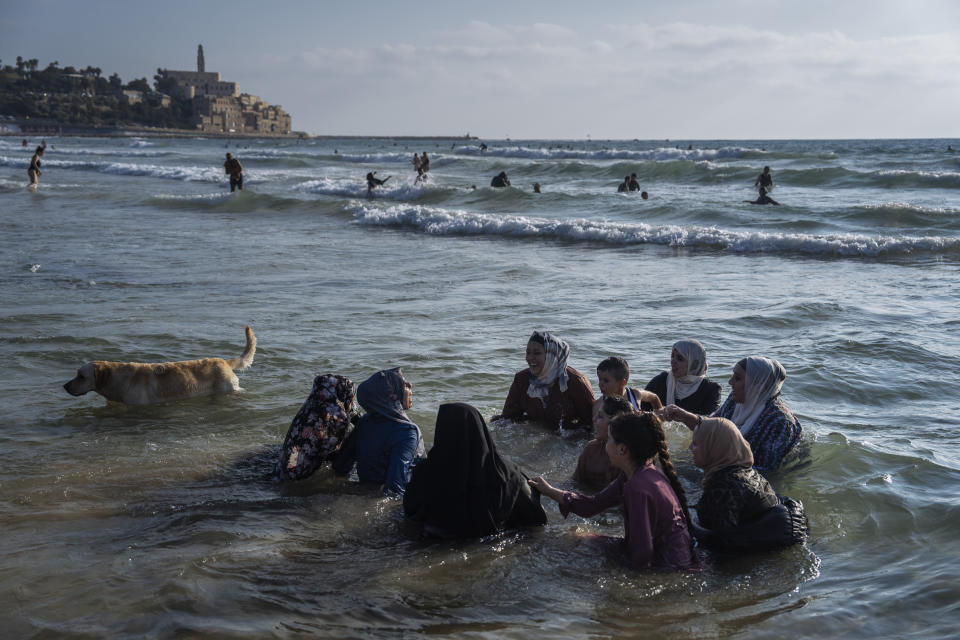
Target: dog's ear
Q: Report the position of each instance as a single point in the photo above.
(100, 375)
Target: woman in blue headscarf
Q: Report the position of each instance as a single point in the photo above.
(549, 391)
(386, 443)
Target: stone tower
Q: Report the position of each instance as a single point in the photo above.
(200, 65)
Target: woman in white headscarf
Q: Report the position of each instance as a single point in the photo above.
(549, 391)
(686, 384)
(755, 406)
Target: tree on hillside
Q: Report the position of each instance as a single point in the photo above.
(140, 84)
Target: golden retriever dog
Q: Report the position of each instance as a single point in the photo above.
(143, 383)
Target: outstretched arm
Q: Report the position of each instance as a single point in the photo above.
(673, 412)
(545, 488)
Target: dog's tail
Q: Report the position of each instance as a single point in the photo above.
(246, 359)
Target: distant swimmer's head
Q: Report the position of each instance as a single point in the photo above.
(229, 155)
(626, 178)
(633, 176)
(536, 187)
(766, 169)
(39, 151)
(643, 194)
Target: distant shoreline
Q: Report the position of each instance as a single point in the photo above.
(78, 131)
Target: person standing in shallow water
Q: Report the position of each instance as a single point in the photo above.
(233, 169)
(764, 181)
(34, 172)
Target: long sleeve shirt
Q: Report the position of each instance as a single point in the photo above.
(573, 406)
(775, 432)
(655, 529)
(702, 402)
(734, 496)
(384, 450)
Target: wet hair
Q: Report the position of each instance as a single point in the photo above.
(39, 150)
(615, 406)
(643, 435)
(615, 365)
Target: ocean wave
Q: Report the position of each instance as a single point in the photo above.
(352, 188)
(187, 173)
(879, 179)
(237, 202)
(441, 222)
(560, 153)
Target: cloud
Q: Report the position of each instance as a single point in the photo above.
(668, 75)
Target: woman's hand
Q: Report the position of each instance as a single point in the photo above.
(545, 488)
(673, 412)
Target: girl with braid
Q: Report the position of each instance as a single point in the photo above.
(656, 519)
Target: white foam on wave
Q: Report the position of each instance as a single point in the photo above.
(187, 173)
(913, 208)
(200, 197)
(947, 177)
(438, 221)
(659, 154)
(353, 188)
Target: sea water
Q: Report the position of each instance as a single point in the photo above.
(158, 522)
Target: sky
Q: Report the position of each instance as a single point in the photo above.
(686, 69)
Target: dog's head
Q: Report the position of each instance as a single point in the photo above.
(88, 378)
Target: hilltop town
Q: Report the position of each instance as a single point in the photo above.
(73, 101)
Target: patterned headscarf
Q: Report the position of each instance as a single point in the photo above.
(720, 445)
(554, 366)
(382, 394)
(763, 379)
(318, 429)
(687, 384)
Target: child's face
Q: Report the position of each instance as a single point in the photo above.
(617, 454)
(609, 385)
(600, 422)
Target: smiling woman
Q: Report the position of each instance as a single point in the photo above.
(549, 391)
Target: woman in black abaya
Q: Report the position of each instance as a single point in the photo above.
(464, 489)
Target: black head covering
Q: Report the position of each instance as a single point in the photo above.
(464, 488)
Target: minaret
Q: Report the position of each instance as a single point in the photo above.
(200, 65)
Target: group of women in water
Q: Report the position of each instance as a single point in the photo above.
(464, 488)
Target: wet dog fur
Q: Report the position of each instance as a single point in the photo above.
(143, 383)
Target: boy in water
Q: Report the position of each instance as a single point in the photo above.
(232, 168)
(612, 376)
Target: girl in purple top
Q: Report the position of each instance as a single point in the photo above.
(656, 520)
